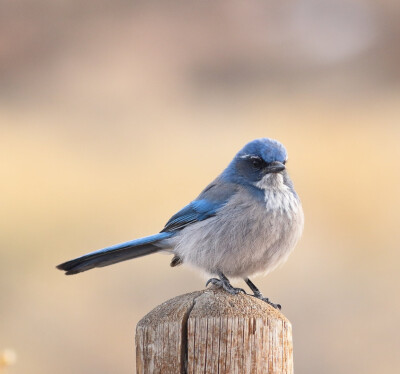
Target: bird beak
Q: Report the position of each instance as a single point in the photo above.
(275, 167)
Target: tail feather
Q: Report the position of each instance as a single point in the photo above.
(114, 254)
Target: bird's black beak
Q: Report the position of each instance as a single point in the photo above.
(275, 167)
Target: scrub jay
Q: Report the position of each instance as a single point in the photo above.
(245, 222)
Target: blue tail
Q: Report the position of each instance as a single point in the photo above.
(116, 253)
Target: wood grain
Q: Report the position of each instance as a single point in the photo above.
(211, 331)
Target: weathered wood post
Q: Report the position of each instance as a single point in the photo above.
(211, 331)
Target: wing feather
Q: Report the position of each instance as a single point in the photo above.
(207, 204)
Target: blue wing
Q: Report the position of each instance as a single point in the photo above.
(207, 204)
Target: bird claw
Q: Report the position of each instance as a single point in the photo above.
(265, 299)
(225, 285)
(276, 306)
(259, 295)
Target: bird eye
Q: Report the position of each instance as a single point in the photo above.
(257, 163)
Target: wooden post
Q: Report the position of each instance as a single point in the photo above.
(211, 331)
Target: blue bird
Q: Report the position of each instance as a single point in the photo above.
(245, 222)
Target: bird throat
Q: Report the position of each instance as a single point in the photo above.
(277, 195)
(271, 181)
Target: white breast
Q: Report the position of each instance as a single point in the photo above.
(279, 198)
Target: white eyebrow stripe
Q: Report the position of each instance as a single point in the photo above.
(251, 156)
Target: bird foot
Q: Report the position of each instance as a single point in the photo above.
(259, 295)
(225, 285)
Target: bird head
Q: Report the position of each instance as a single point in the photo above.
(256, 160)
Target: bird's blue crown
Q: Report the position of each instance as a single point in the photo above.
(268, 149)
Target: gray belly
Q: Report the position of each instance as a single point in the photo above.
(243, 239)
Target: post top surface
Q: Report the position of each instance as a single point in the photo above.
(211, 302)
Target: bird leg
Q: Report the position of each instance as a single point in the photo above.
(259, 295)
(224, 283)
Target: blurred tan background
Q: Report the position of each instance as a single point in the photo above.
(115, 114)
